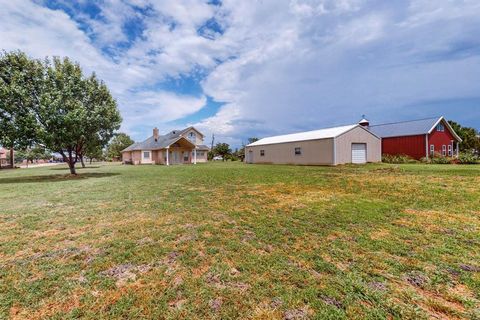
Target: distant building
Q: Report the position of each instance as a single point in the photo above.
(418, 138)
(330, 146)
(176, 147)
(3, 157)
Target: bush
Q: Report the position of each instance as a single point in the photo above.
(397, 159)
(438, 159)
(467, 158)
(441, 160)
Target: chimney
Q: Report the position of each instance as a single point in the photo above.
(364, 122)
(155, 133)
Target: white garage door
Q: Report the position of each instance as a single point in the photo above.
(359, 153)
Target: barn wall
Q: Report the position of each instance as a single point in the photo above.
(438, 139)
(357, 135)
(413, 146)
(314, 152)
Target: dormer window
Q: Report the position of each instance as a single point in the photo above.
(441, 127)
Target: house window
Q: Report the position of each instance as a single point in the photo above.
(449, 150)
(185, 156)
(192, 136)
(298, 151)
(146, 154)
(444, 150)
(262, 153)
(432, 150)
(440, 127)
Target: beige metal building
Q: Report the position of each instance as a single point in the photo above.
(331, 146)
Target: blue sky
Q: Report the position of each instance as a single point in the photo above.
(257, 68)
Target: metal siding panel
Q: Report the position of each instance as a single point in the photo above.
(413, 146)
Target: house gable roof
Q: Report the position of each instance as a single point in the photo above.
(160, 143)
(410, 128)
(192, 128)
(304, 136)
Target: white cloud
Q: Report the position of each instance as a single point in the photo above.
(279, 66)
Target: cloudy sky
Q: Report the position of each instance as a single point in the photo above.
(261, 67)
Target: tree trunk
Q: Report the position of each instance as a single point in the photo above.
(81, 160)
(71, 165)
(91, 160)
(69, 160)
(12, 159)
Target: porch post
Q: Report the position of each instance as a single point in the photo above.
(195, 155)
(168, 149)
(458, 148)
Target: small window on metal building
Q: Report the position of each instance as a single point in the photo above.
(262, 153)
(440, 127)
(449, 150)
(444, 150)
(298, 151)
(432, 150)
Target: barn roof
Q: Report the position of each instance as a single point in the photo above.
(409, 128)
(303, 136)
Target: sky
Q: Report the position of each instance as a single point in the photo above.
(256, 68)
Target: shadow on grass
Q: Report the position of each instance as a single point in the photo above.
(76, 168)
(56, 177)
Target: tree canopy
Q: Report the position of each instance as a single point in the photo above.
(470, 137)
(52, 104)
(119, 142)
(20, 84)
(222, 149)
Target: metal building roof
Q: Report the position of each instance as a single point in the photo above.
(404, 128)
(410, 128)
(303, 136)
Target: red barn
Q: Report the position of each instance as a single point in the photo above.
(418, 138)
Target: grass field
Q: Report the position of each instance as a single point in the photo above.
(224, 241)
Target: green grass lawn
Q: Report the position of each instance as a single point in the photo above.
(228, 240)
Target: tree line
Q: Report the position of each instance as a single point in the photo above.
(52, 104)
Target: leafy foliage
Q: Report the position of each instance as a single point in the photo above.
(31, 154)
(222, 149)
(386, 158)
(119, 142)
(470, 137)
(52, 104)
(468, 158)
(20, 84)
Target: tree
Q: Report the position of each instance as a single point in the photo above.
(32, 154)
(102, 119)
(222, 149)
(252, 140)
(119, 142)
(20, 87)
(74, 110)
(470, 141)
(240, 154)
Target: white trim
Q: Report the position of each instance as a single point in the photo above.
(195, 156)
(359, 126)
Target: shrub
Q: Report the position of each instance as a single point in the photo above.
(397, 159)
(467, 158)
(440, 160)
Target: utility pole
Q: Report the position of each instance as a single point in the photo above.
(213, 141)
